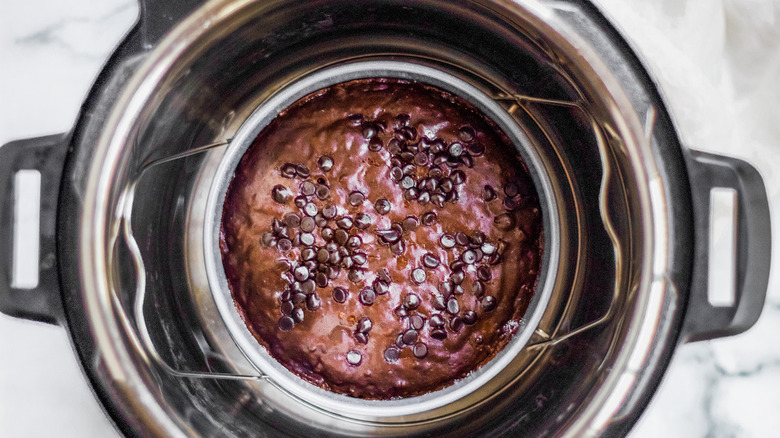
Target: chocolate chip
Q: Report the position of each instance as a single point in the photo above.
(488, 248)
(375, 144)
(394, 146)
(380, 287)
(456, 323)
(302, 171)
(401, 312)
(447, 241)
(469, 317)
(446, 289)
(281, 194)
(466, 134)
(504, 221)
(406, 156)
(452, 306)
(467, 160)
(478, 288)
(341, 236)
(354, 242)
(477, 239)
(364, 324)
(389, 236)
(288, 170)
(457, 277)
(420, 350)
(307, 224)
(441, 159)
(429, 218)
(369, 130)
(488, 303)
(392, 354)
(354, 358)
(399, 341)
(469, 257)
(455, 149)
(511, 204)
(409, 223)
(457, 289)
(396, 174)
(321, 279)
(308, 253)
(307, 286)
(310, 209)
(297, 315)
(287, 307)
(327, 234)
(307, 239)
(416, 322)
(360, 259)
(284, 244)
(367, 296)
(345, 223)
(430, 261)
(410, 336)
(313, 302)
(355, 275)
(476, 149)
(268, 239)
(424, 198)
(511, 189)
(458, 177)
(299, 297)
(356, 198)
(484, 273)
(411, 194)
(462, 239)
(286, 323)
(340, 295)
(409, 133)
(325, 163)
(398, 248)
(421, 159)
(382, 206)
(407, 182)
(436, 321)
(333, 272)
(301, 201)
(361, 337)
(322, 192)
(355, 119)
(452, 196)
(419, 275)
(439, 334)
(438, 200)
(320, 220)
(398, 228)
(412, 301)
(307, 188)
(446, 185)
(292, 220)
(286, 295)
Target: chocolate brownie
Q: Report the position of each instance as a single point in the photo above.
(382, 238)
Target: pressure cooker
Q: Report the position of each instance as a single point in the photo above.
(127, 221)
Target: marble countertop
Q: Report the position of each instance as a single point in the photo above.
(717, 61)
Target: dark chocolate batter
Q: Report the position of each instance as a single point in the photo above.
(382, 238)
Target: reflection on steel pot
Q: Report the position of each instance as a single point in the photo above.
(131, 217)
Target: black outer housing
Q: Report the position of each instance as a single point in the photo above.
(156, 18)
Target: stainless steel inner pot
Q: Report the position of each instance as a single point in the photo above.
(170, 342)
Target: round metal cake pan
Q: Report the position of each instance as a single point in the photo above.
(467, 391)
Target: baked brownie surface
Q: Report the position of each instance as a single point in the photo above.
(382, 238)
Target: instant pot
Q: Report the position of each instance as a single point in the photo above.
(128, 200)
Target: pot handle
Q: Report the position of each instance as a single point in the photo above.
(752, 244)
(41, 301)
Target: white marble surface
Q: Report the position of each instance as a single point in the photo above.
(718, 61)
